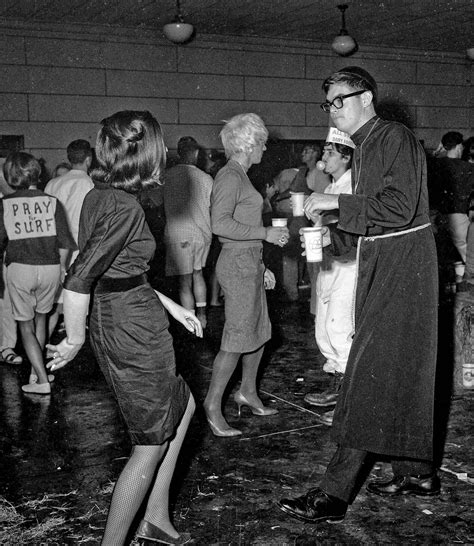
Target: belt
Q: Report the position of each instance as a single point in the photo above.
(395, 233)
(107, 284)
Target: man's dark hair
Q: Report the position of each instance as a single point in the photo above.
(344, 150)
(78, 151)
(354, 77)
(451, 139)
(188, 150)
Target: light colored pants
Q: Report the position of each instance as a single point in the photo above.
(458, 225)
(334, 314)
(8, 326)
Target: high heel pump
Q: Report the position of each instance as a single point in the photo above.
(151, 533)
(222, 432)
(263, 411)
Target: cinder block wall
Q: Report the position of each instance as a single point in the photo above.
(57, 83)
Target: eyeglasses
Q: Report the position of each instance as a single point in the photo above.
(338, 102)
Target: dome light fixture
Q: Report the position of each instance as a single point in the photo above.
(344, 44)
(178, 31)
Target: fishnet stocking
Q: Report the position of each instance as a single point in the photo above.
(135, 480)
(130, 490)
(157, 510)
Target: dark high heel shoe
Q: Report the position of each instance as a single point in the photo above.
(240, 400)
(222, 432)
(151, 533)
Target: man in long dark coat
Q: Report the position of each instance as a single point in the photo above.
(386, 402)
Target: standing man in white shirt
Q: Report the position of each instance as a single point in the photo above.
(71, 188)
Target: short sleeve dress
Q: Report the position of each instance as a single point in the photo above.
(128, 328)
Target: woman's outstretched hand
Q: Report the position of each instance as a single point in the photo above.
(62, 353)
(186, 317)
(190, 322)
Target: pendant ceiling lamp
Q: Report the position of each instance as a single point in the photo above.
(178, 31)
(343, 43)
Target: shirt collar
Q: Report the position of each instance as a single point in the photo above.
(361, 133)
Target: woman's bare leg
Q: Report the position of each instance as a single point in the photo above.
(222, 370)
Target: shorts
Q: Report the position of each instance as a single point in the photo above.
(185, 257)
(32, 288)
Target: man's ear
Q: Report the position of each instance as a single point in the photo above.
(367, 98)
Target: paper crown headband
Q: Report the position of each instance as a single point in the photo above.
(339, 137)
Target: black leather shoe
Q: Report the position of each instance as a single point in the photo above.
(327, 397)
(423, 486)
(315, 506)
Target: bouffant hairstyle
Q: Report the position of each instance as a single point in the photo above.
(355, 77)
(242, 132)
(130, 151)
(21, 170)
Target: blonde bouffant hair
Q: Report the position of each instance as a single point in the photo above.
(241, 132)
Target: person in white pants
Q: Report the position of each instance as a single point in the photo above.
(8, 329)
(335, 284)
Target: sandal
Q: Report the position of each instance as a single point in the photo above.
(9, 356)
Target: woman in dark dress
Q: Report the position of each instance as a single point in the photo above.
(128, 324)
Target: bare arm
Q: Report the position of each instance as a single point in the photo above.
(187, 318)
(76, 307)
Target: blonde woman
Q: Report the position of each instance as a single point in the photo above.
(236, 217)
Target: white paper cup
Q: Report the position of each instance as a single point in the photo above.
(313, 243)
(297, 202)
(459, 268)
(279, 222)
(468, 376)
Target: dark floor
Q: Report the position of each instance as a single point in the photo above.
(60, 455)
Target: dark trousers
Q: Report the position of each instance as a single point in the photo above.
(347, 467)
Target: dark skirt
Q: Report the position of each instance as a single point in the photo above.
(247, 324)
(130, 339)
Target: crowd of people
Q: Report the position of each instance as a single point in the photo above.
(81, 250)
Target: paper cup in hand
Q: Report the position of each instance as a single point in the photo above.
(297, 202)
(313, 243)
(279, 222)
